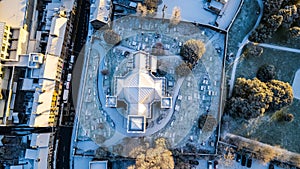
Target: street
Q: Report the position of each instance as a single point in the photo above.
(64, 136)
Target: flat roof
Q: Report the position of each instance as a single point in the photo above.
(296, 85)
(41, 105)
(100, 10)
(2, 29)
(12, 12)
(98, 165)
(23, 61)
(56, 36)
(49, 68)
(136, 124)
(39, 157)
(216, 4)
(82, 162)
(40, 140)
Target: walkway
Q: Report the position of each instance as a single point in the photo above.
(296, 85)
(241, 46)
(279, 47)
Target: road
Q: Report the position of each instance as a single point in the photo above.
(63, 152)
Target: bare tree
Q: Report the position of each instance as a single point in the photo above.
(182, 70)
(111, 37)
(176, 16)
(141, 10)
(157, 157)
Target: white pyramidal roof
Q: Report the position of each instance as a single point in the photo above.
(140, 88)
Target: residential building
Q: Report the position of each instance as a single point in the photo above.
(40, 152)
(32, 84)
(100, 13)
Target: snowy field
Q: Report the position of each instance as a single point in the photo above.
(296, 85)
(191, 10)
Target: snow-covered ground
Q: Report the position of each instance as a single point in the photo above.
(296, 85)
(255, 165)
(191, 10)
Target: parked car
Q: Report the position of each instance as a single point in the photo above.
(238, 157)
(216, 164)
(271, 166)
(249, 162)
(69, 77)
(194, 162)
(243, 163)
(72, 59)
(67, 84)
(209, 164)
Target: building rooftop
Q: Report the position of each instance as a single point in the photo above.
(136, 124)
(139, 88)
(42, 101)
(56, 38)
(15, 15)
(100, 11)
(39, 153)
(98, 165)
(40, 140)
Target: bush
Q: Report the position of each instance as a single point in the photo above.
(266, 73)
(289, 117)
(158, 49)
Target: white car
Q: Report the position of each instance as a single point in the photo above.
(69, 77)
(72, 59)
(67, 84)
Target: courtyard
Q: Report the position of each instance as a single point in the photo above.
(193, 95)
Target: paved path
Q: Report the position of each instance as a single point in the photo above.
(241, 46)
(279, 47)
(296, 85)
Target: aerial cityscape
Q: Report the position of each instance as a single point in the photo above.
(150, 84)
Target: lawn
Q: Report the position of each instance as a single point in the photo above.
(280, 37)
(242, 25)
(266, 129)
(286, 64)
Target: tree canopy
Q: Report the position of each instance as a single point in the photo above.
(158, 49)
(111, 37)
(192, 50)
(158, 157)
(266, 73)
(152, 4)
(252, 98)
(277, 13)
(282, 94)
(176, 16)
